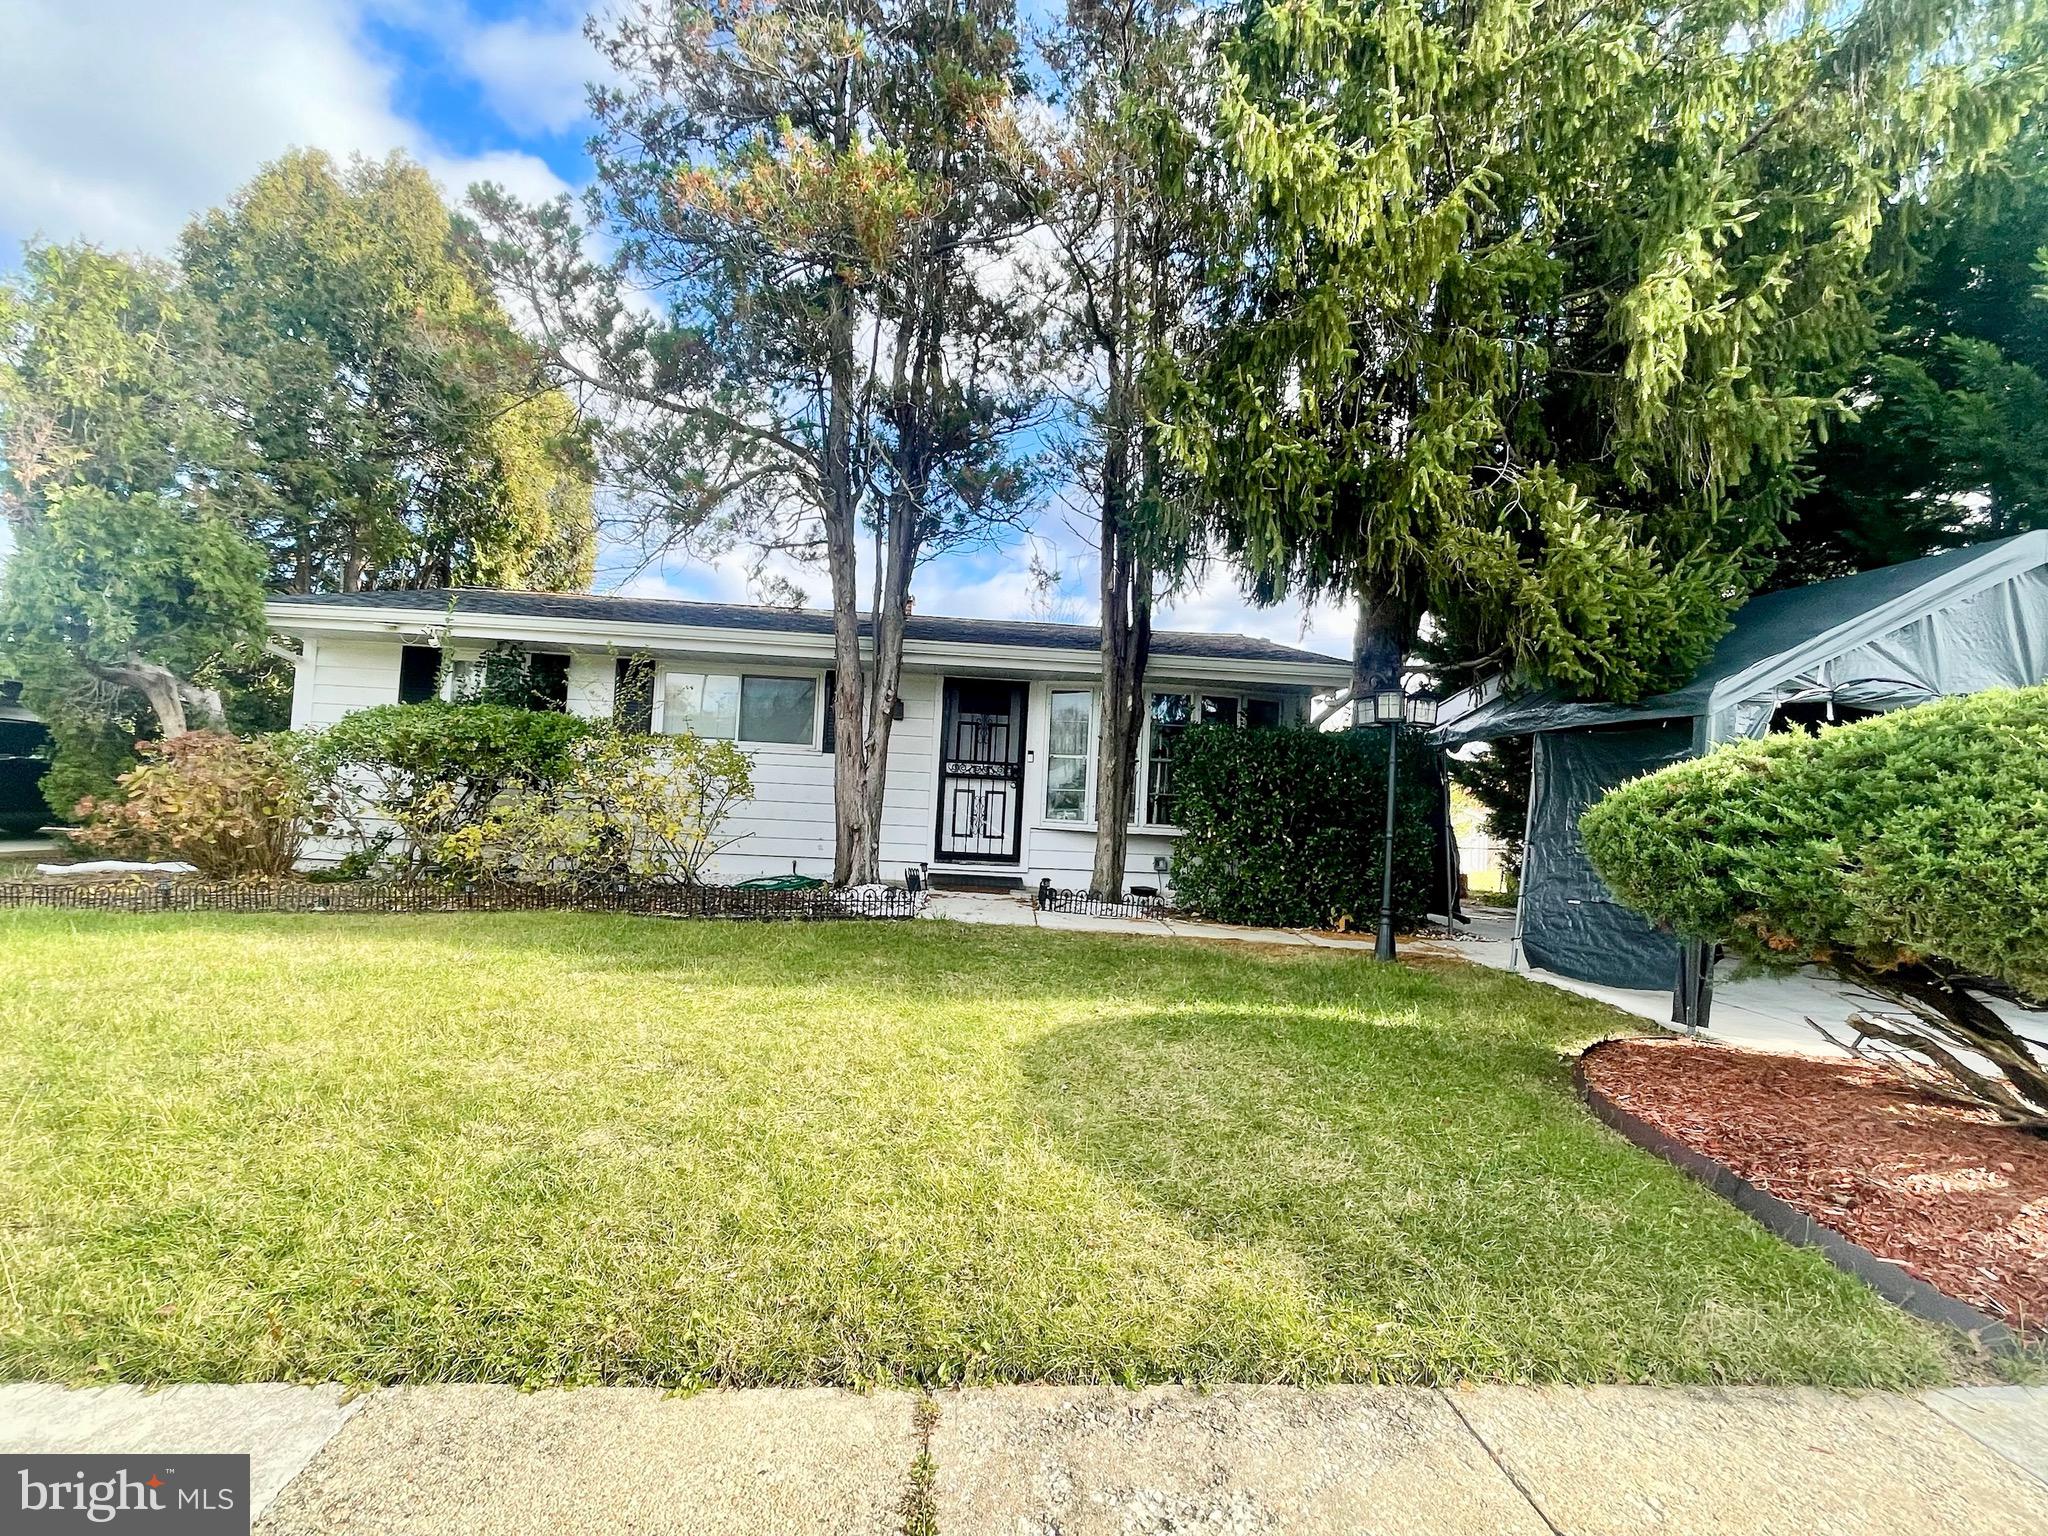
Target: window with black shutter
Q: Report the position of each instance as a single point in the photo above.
(633, 695)
(830, 733)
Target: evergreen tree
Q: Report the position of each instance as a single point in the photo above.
(1950, 441)
(1534, 306)
(130, 584)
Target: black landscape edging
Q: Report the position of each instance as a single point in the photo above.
(1893, 1282)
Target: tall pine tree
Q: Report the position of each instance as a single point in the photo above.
(1534, 305)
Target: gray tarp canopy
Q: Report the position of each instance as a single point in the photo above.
(1953, 623)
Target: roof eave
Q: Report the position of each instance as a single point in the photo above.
(781, 645)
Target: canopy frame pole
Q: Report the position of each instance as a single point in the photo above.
(1522, 878)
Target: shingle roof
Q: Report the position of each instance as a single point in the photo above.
(691, 615)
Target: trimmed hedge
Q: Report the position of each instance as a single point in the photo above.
(1285, 827)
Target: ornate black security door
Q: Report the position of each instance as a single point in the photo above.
(981, 772)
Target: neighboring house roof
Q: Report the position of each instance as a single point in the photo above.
(557, 609)
(1774, 637)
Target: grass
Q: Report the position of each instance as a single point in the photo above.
(556, 1148)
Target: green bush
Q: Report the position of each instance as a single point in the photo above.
(426, 771)
(1286, 827)
(1908, 853)
(631, 808)
(232, 808)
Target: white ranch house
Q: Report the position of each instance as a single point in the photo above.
(991, 764)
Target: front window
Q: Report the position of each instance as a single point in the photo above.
(722, 706)
(703, 704)
(778, 709)
(1218, 711)
(1066, 756)
(1171, 713)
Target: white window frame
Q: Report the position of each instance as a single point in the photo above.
(1089, 757)
(1195, 693)
(819, 703)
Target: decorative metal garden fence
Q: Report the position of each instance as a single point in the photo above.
(822, 903)
(1081, 904)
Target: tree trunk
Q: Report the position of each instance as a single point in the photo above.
(1126, 648)
(170, 697)
(1387, 625)
(892, 612)
(1126, 586)
(843, 561)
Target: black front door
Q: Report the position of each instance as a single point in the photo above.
(981, 772)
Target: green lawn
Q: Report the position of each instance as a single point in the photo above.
(563, 1148)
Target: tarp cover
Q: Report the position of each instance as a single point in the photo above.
(1953, 623)
(1957, 622)
(1571, 923)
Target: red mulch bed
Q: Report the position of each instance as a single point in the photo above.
(1956, 1199)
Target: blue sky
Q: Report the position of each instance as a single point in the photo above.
(121, 118)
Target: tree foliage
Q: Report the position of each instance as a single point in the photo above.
(1950, 441)
(1531, 308)
(1908, 853)
(804, 335)
(395, 431)
(129, 578)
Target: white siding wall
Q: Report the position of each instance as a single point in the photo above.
(787, 828)
(344, 675)
(788, 824)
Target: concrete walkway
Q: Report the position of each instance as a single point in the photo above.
(1503, 1461)
(1018, 910)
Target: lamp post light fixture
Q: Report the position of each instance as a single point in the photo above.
(1394, 708)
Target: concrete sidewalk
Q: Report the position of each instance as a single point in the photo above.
(1504, 1461)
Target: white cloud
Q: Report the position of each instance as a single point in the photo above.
(532, 75)
(121, 119)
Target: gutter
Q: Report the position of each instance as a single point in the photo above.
(600, 635)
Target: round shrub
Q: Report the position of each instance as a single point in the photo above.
(405, 777)
(1908, 852)
(1918, 834)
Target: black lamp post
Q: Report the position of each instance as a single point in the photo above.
(1393, 708)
